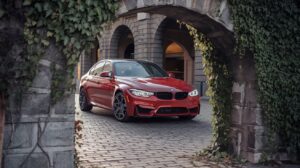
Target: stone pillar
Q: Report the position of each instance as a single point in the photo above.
(199, 76)
(37, 132)
(247, 129)
(143, 38)
(156, 45)
(104, 43)
(86, 62)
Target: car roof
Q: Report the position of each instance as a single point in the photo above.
(126, 60)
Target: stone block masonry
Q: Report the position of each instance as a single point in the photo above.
(37, 133)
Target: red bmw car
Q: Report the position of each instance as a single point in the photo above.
(137, 88)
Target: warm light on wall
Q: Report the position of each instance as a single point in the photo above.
(174, 48)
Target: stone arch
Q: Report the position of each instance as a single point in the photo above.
(212, 18)
(168, 31)
(186, 61)
(121, 39)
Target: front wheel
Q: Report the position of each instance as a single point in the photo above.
(119, 107)
(83, 102)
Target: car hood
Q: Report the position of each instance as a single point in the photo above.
(156, 84)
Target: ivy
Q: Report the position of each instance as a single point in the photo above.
(270, 30)
(71, 24)
(219, 80)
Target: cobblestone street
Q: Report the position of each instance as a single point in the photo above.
(155, 142)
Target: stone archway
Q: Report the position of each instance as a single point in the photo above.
(212, 18)
(178, 60)
(122, 43)
(167, 32)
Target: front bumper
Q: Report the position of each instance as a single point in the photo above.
(153, 106)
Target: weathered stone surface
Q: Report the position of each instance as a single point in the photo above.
(34, 103)
(42, 78)
(37, 160)
(180, 2)
(236, 116)
(22, 136)
(63, 159)
(130, 4)
(53, 54)
(58, 134)
(66, 105)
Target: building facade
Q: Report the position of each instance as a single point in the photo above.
(151, 37)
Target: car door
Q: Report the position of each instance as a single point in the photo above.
(107, 87)
(94, 81)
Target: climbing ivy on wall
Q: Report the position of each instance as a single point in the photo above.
(219, 80)
(270, 30)
(72, 25)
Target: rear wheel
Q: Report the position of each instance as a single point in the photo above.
(83, 101)
(186, 117)
(119, 107)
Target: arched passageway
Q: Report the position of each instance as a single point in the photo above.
(122, 43)
(212, 18)
(178, 61)
(177, 46)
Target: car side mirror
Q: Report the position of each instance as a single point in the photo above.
(105, 74)
(171, 74)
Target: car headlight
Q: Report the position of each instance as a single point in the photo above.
(141, 93)
(194, 93)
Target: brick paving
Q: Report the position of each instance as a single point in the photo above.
(153, 143)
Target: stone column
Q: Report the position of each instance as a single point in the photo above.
(37, 132)
(199, 76)
(143, 38)
(247, 128)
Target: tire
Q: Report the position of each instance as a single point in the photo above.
(186, 117)
(83, 102)
(119, 107)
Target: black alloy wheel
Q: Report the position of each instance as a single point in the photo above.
(83, 102)
(119, 107)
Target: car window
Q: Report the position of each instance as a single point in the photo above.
(107, 67)
(154, 70)
(138, 69)
(97, 69)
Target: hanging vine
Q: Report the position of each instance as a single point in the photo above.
(219, 83)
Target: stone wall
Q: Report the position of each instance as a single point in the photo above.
(247, 127)
(38, 132)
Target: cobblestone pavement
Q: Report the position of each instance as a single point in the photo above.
(150, 143)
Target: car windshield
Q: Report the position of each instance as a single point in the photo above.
(138, 69)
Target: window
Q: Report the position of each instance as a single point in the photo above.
(107, 67)
(97, 69)
(138, 69)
